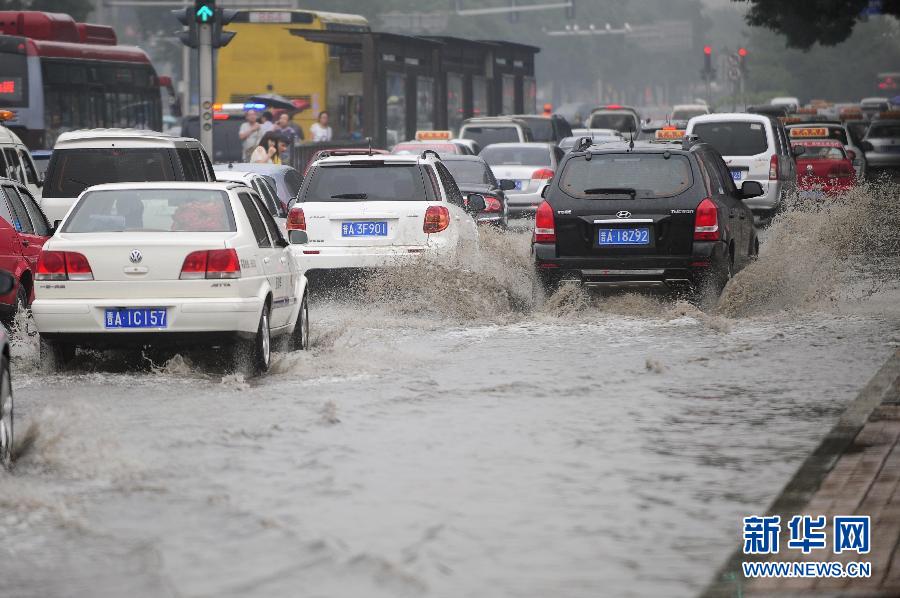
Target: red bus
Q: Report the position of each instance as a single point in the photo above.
(57, 75)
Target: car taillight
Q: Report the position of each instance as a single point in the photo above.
(542, 175)
(211, 263)
(296, 219)
(706, 221)
(773, 168)
(544, 224)
(492, 204)
(437, 218)
(63, 265)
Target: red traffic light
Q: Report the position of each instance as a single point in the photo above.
(742, 52)
(707, 50)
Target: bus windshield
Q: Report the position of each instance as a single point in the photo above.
(71, 171)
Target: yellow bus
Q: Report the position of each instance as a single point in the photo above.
(265, 58)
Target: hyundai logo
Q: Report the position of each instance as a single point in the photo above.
(623, 214)
(135, 256)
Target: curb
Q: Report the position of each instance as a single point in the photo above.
(881, 389)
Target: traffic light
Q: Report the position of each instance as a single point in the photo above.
(190, 37)
(204, 11)
(742, 60)
(570, 10)
(221, 38)
(708, 71)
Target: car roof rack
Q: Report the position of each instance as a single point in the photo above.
(431, 151)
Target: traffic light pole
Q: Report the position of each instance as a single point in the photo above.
(205, 52)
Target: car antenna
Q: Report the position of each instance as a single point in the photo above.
(369, 141)
(631, 142)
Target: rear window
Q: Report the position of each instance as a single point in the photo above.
(649, 175)
(488, 135)
(820, 152)
(734, 138)
(884, 131)
(469, 171)
(293, 181)
(512, 155)
(71, 171)
(620, 121)
(541, 129)
(366, 181)
(688, 114)
(152, 210)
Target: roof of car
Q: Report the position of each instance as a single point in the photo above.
(270, 169)
(398, 158)
(461, 158)
(236, 175)
(731, 116)
(7, 136)
(140, 137)
(212, 186)
(494, 120)
(542, 144)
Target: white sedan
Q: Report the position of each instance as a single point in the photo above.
(373, 211)
(176, 264)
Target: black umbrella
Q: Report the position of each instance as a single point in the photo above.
(273, 100)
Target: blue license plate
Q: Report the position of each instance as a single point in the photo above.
(364, 229)
(136, 317)
(520, 185)
(737, 174)
(623, 236)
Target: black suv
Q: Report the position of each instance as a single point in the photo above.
(644, 214)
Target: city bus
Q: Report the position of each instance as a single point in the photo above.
(264, 58)
(57, 75)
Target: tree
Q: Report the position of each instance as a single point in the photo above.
(78, 9)
(806, 22)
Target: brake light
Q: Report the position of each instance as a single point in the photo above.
(544, 224)
(211, 263)
(296, 219)
(773, 168)
(437, 218)
(492, 204)
(614, 107)
(63, 265)
(706, 221)
(542, 175)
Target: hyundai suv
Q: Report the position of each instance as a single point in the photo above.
(646, 214)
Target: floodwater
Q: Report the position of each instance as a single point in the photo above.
(449, 434)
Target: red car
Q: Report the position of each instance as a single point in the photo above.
(23, 231)
(823, 167)
(341, 151)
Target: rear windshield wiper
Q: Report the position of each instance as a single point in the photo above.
(611, 191)
(350, 196)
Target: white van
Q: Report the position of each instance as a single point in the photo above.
(82, 159)
(755, 147)
(16, 162)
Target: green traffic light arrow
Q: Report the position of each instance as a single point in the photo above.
(204, 13)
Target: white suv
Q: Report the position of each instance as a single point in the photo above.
(373, 211)
(90, 157)
(755, 147)
(16, 162)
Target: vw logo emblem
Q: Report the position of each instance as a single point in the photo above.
(623, 214)
(135, 256)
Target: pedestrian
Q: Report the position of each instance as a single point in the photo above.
(250, 134)
(267, 150)
(320, 129)
(548, 109)
(284, 126)
(267, 122)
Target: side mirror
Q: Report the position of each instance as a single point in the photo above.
(507, 185)
(7, 282)
(298, 237)
(475, 203)
(751, 189)
(544, 191)
(797, 150)
(866, 146)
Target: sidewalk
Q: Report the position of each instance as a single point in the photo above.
(854, 471)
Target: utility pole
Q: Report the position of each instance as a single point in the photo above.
(206, 82)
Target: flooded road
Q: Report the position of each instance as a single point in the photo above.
(448, 439)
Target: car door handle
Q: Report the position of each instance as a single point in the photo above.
(266, 260)
(283, 260)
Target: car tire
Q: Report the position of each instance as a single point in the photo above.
(258, 352)
(6, 414)
(55, 355)
(709, 288)
(300, 336)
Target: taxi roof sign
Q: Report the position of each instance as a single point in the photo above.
(433, 135)
(889, 115)
(807, 132)
(668, 133)
(808, 110)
